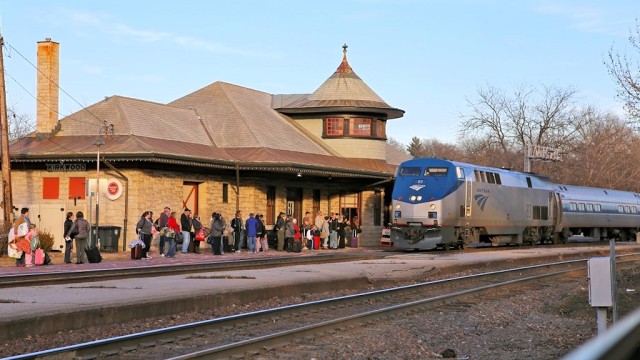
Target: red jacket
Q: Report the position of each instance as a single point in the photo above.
(297, 234)
(173, 224)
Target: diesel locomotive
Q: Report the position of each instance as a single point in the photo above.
(448, 204)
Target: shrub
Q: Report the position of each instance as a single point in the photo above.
(46, 240)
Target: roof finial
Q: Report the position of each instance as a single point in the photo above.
(344, 66)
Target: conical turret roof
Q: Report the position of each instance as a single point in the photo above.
(343, 89)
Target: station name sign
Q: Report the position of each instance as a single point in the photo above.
(66, 167)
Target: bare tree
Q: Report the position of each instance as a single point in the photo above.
(397, 144)
(527, 116)
(19, 124)
(625, 71)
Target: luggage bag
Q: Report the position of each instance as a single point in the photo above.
(354, 242)
(93, 254)
(296, 246)
(316, 242)
(39, 257)
(136, 252)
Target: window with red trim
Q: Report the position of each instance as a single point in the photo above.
(380, 129)
(50, 188)
(334, 126)
(77, 188)
(360, 127)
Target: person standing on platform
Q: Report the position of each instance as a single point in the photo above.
(162, 223)
(143, 229)
(262, 234)
(68, 244)
(238, 231)
(333, 231)
(324, 233)
(289, 233)
(186, 223)
(279, 230)
(197, 225)
(172, 223)
(252, 233)
(217, 229)
(20, 229)
(82, 227)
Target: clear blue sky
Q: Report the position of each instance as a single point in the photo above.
(424, 57)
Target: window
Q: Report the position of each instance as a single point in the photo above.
(334, 126)
(409, 171)
(573, 206)
(271, 205)
(634, 210)
(581, 206)
(627, 209)
(491, 178)
(360, 127)
(589, 207)
(381, 129)
(436, 171)
(620, 208)
(484, 176)
(50, 188)
(528, 182)
(225, 193)
(598, 207)
(460, 172)
(498, 181)
(77, 188)
(540, 213)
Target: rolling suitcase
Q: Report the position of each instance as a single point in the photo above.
(296, 246)
(136, 252)
(316, 242)
(354, 242)
(39, 257)
(93, 254)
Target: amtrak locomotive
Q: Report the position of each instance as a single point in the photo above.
(441, 203)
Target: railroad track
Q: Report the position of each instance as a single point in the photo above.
(263, 332)
(82, 276)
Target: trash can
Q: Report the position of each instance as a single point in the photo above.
(109, 236)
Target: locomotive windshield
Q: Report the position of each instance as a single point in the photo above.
(410, 171)
(436, 171)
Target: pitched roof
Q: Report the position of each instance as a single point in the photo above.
(343, 89)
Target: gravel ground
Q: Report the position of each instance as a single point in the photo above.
(541, 324)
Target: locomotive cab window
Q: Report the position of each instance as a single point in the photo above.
(410, 171)
(460, 173)
(436, 171)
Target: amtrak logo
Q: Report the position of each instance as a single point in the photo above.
(481, 200)
(416, 187)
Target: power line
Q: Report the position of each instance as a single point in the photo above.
(103, 122)
(47, 106)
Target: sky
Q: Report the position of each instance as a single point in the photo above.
(425, 57)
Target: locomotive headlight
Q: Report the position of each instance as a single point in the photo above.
(432, 206)
(419, 198)
(412, 198)
(397, 206)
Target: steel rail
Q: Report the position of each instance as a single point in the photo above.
(113, 346)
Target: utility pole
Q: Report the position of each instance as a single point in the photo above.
(7, 203)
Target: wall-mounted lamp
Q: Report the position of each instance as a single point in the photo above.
(299, 174)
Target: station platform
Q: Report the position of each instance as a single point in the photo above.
(53, 308)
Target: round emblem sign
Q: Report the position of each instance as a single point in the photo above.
(114, 189)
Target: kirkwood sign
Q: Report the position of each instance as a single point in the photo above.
(66, 167)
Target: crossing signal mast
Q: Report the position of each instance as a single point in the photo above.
(539, 153)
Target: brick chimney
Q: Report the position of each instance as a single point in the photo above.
(48, 93)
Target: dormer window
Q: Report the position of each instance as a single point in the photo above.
(334, 126)
(360, 127)
(354, 127)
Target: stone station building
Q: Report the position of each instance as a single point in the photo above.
(221, 148)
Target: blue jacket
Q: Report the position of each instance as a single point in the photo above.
(252, 226)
